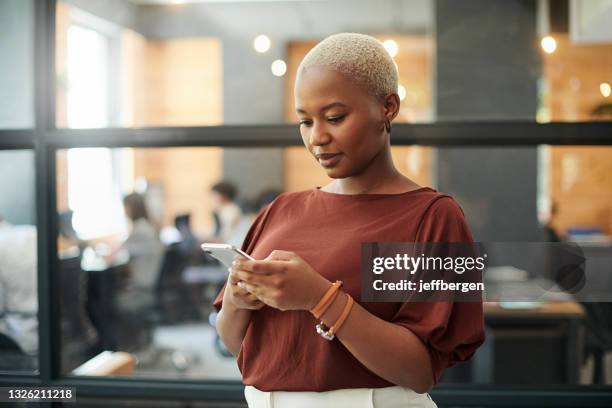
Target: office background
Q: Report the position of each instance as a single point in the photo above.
(104, 98)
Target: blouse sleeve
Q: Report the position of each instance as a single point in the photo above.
(247, 245)
(451, 331)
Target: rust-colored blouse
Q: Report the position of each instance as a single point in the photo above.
(282, 351)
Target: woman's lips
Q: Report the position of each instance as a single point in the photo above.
(329, 160)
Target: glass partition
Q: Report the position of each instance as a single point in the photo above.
(18, 267)
(212, 63)
(131, 223)
(167, 63)
(16, 71)
(560, 194)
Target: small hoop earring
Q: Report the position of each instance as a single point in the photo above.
(388, 126)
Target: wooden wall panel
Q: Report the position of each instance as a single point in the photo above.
(184, 83)
(580, 176)
(61, 174)
(186, 175)
(572, 76)
(581, 186)
(62, 21)
(177, 82)
(302, 172)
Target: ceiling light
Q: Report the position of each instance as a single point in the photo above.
(605, 89)
(279, 68)
(401, 91)
(261, 43)
(549, 44)
(391, 47)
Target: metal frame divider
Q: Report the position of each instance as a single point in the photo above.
(45, 139)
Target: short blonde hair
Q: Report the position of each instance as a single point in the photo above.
(359, 56)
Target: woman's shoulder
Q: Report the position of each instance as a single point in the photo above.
(290, 197)
(442, 203)
(443, 220)
(426, 198)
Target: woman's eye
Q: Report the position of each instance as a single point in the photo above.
(305, 122)
(335, 119)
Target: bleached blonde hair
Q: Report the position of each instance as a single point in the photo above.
(359, 56)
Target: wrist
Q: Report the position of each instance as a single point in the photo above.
(228, 299)
(235, 310)
(320, 287)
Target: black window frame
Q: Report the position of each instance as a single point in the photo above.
(46, 140)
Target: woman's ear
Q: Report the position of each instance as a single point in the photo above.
(391, 106)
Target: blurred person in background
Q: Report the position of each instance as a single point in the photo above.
(145, 251)
(550, 232)
(18, 288)
(226, 212)
(69, 244)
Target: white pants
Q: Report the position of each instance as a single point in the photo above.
(388, 397)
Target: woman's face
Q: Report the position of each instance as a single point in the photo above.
(341, 125)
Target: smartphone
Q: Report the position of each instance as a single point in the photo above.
(225, 253)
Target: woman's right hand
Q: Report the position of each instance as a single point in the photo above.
(240, 297)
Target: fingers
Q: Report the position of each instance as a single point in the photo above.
(238, 275)
(259, 267)
(246, 299)
(252, 289)
(265, 267)
(251, 299)
(233, 280)
(280, 255)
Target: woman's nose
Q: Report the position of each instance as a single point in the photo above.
(319, 135)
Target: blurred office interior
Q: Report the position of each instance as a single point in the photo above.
(132, 190)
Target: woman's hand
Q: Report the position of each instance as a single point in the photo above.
(283, 280)
(241, 298)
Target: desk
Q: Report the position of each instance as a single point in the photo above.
(563, 309)
(563, 317)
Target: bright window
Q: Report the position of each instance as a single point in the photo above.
(94, 193)
(87, 77)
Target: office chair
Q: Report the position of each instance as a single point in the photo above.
(173, 297)
(163, 305)
(598, 336)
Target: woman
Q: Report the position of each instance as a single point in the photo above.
(145, 251)
(225, 210)
(383, 354)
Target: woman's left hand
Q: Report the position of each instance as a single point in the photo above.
(283, 280)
